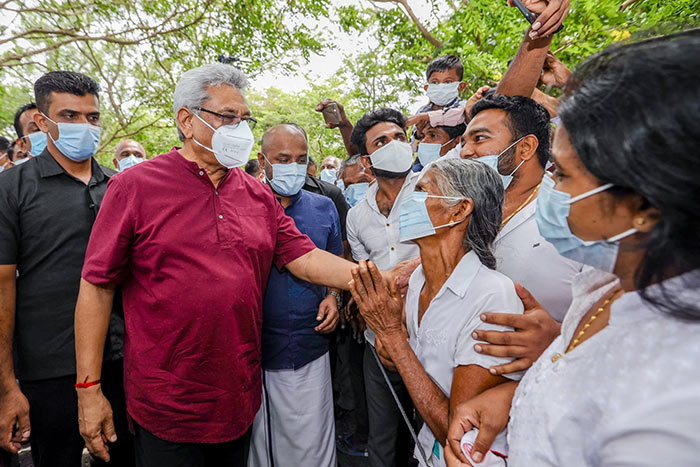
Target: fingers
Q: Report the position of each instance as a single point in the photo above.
(329, 323)
(377, 279)
(395, 290)
(521, 364)
(529, 302)
(515, 321)
(366, 277)
(484, 440)
(513, 351)
(451, 458)
(24, 425)
(460, 423)
(499, 337)
(551, 18)
(322, 104)
(97, 447)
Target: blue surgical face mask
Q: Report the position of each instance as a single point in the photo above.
(38, 142)
(129, 162)
(552, 221)
(356, 193)
(77, 141)
(414, 218)
(329, 175)
(430, 152)
(492, 161)
(287, 179)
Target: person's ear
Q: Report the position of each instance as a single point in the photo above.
(462, 86)
(184, 121)
(116, 163)
(527, 148)
(22, 144)
(366, 162)
(425, 87)
(41, 122)
(465, 209)
(645, 219)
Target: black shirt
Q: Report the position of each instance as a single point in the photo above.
(46, 216)
(314, 185)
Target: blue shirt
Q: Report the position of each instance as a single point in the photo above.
(290, 305)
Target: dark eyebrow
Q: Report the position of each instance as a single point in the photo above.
(474, 131)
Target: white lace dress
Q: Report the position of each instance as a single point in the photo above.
(628, 396)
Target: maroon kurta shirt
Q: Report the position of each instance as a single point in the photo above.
(193, 261)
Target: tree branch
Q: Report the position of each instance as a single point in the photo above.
(412, 16)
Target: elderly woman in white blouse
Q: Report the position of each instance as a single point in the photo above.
(453, 216)
(621, 385)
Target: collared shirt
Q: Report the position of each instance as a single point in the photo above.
(372, 236)
(443, 339)
(45, 219)
(290, 306)
(314, 185)
(629, 395)
(194, 261)
(526, 257)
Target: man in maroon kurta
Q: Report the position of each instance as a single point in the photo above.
(191, 243)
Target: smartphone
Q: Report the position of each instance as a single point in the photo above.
(530, 16)
(331, 114)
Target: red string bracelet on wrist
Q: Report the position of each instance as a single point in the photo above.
(85, 384)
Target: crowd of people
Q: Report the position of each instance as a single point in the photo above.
(508, 279)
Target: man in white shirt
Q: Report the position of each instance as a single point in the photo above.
(373, 234)
(517, 130)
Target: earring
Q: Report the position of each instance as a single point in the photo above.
(640, 221)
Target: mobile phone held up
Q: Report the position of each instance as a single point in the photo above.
(529, 16)
(331, 114)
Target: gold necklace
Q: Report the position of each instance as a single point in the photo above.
(577, 341)
(527, 201)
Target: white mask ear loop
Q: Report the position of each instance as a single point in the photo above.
(624, 234)
(592, 192)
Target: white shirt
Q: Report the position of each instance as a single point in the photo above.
(443, 340)
(372, 236)
(628, 396)
(526, 257)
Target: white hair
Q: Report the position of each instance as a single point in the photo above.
(191, 90)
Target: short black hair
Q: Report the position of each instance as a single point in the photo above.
(368, 120)
(312, 162)
(454, 131)
(445, 63)
(525, 117)
(252, 167)
(646, 143)
(63, 81)
(24, 108)
(4, 144)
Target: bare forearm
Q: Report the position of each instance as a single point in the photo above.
(7, 328)
(322, 268)
(523, 73)
(428, 398)
(346, 132)
(91, 323)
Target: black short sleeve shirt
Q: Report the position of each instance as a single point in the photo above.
(45, 220)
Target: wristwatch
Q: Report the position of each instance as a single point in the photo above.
(338, 298)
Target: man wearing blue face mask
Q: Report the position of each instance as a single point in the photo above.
(437, 142)
(30, 139)
(127, 154)
(48, 206)
(295, 424)
(511, 135)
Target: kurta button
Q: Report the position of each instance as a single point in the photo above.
(221, 216)
(201, 172)
(392, 248)
(216, 193)
(388, 225)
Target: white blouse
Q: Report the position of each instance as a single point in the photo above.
(628, 396)
(443, 340)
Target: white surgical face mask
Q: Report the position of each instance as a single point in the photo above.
(129, 162)
(443, 93)
(231, 144)
(395, 156)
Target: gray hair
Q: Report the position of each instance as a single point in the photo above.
(191, 90)
(349, 162)
(463, 178)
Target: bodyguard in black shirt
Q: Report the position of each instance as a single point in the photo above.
(47, 208)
